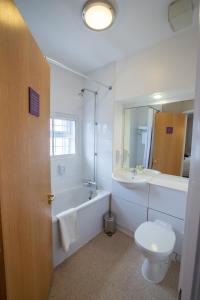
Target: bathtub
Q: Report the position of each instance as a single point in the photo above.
(90, 216)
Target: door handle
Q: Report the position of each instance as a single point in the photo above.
(50, 198)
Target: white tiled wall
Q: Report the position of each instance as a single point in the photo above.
(104, 140)
(104, 116)
(65, 87)
(88, 135)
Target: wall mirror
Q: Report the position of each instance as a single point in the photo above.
(159, 137)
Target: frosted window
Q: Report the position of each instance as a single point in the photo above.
(62, 136)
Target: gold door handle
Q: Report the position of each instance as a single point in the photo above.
(50, 198)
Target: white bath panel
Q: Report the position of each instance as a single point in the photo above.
(90, 221)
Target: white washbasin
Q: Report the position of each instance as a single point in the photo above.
(148, 176)
(128, 179)
(151, 172)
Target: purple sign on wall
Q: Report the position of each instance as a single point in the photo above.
(34, 102)
(169, 130)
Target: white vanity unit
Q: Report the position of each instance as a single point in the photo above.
(150, 196)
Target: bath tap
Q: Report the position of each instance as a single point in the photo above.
(90, 183)
(133, 172)
(91, 195)
(93, 188)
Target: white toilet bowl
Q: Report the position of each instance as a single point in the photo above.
(156, 241)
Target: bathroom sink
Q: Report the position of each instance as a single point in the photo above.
(151, 172)
(128, 179)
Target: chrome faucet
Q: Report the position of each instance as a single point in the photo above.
(90, 183)
(91, 195)
(92, 188)
(134, 172)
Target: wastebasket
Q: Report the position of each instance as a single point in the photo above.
(109, 223)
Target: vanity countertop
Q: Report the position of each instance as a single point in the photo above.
(170, 181)
(163, 180)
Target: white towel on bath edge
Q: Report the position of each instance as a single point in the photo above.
(68, 225)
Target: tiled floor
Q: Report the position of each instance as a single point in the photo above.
(109, 269)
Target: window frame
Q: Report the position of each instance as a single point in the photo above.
(69, 117)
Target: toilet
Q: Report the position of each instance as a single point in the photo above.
(156, 241)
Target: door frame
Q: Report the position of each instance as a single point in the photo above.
(189, 283)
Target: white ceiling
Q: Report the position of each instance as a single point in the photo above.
(58, 29)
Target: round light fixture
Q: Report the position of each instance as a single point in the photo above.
(157, 96)
(98, 15)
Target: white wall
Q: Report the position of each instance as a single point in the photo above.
(65, 87)
(167, 66)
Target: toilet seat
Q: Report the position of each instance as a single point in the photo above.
(155, 237)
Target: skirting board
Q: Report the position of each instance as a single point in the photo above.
(126, 231)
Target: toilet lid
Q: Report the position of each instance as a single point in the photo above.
(155, 237)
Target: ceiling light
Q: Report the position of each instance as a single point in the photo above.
(157, 96)
(98, 15)
(161, 102)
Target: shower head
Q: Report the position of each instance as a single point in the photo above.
(82, 92)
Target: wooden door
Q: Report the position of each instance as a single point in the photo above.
(24, 161)
(169, 142)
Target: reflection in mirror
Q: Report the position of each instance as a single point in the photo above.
(138, 124)
(159, 139)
